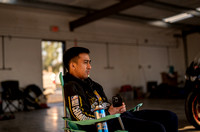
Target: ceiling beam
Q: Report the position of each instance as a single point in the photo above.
(46, 6)
(191, 31)
(168, 6)
(123, 4)
(155, 22)
(82, 10)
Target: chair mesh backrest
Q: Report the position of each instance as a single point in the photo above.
(66, 110)
(11, 89)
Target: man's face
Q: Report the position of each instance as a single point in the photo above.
(81, 68)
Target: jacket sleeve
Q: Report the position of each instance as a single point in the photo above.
(106, 103)
(77, 102)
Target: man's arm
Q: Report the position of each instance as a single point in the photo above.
(77, 110)
(77, 105)
(110, 109)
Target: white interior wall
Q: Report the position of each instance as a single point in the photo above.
(193, 46)
(131, 44)
(23, 56)
(176, 59)
(153, 62)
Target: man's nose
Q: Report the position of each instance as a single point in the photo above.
(89, 66)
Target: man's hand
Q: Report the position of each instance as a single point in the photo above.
(114, 110)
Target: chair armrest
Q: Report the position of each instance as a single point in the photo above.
(136, 108)
(90, 122)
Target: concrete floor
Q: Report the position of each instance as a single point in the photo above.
(50, 119)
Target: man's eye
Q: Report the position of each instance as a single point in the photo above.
(86, 62)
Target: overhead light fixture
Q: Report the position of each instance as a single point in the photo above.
(159, 23)
(178, 17)
(7, 1)
(198, 9)
(194, 12)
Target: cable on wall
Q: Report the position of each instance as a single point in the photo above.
(96, 42)
(3, 55)
(108, 58)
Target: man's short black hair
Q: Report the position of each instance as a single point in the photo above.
(71, 53)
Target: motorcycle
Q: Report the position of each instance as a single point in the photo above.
(192, 86)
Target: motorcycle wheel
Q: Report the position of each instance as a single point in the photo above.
(192, 109)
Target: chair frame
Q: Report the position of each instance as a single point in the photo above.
(8, 97)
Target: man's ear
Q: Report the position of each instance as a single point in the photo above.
(72, 65)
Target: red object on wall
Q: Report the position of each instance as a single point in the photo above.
(54, 28)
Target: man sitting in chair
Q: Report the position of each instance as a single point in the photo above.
(82, 94)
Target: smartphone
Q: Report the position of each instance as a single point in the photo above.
(117, 101)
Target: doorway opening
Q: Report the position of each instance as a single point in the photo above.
(52, 56)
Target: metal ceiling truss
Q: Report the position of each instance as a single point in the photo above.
(115, 9)
(122, 5)
(113, 12)
(167, 6)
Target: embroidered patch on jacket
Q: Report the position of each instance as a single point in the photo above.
(75, 104)
(74, 100)
(98, 97)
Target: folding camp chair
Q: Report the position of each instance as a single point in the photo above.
(73, 125)
(12, 93)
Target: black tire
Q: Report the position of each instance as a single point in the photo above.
(192, 109)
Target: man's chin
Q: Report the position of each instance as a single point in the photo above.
(85, 77)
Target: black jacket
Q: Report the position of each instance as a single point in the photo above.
(82, 96)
